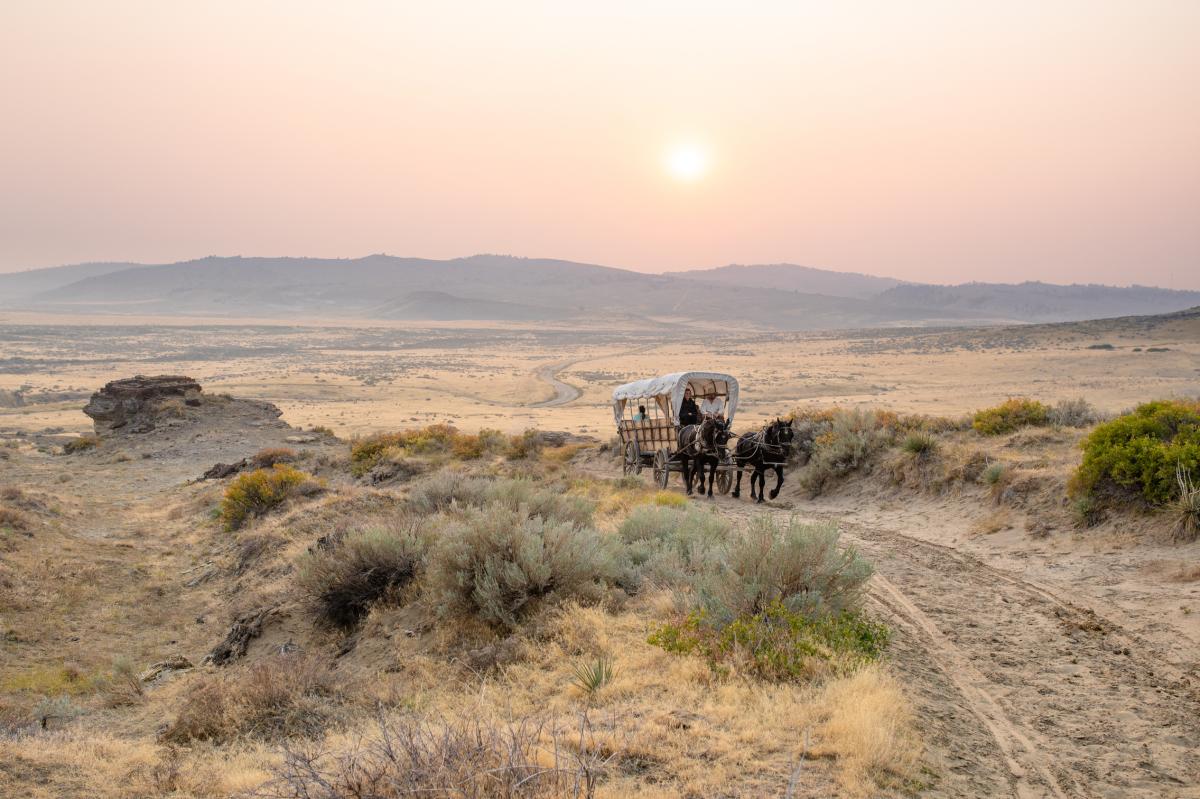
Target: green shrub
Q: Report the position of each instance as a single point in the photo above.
(1140, 452)
(346, 577)
(593, 675)
(499, 565)
(796, 564)
(777, 643)
(255, 493)
(1010, 415)
(81, 444)
(433, 439)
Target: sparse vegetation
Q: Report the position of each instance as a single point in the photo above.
(268, 457)
(255, 493)
(994, 473)
(281, 697)
(592, 675)
(1010, 415)
(1139, 454)
(81, 444)
(840, 442)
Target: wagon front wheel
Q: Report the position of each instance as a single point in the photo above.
(633, 460)
(662, 468)
(724, 480)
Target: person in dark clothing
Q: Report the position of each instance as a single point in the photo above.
(688, 412)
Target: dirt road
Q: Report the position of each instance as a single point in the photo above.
(1021, 692)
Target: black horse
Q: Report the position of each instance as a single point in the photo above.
(768, 448)
(703, 443)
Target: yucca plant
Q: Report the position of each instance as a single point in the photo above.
(593, 675)
(1187, 507)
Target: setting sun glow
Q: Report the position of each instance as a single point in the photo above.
(687, 162)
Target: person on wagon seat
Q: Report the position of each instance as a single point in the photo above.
(712, 405)
(640, 416)
(688, 412)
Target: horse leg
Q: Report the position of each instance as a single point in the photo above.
(737, 487)
(712, 476)
(778, 481)
(687, 474)
(762, 484)
(754, 482)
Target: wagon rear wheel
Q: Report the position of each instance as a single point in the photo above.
(724, 480)
(633, 459)
(662, 468)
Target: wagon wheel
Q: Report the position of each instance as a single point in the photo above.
(724, 480)
(633, 459)
(662, 468)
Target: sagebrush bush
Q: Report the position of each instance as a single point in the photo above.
(13, 520)
(777, 643)
(853, 438)
(347, 576)
(797, 564)
(1012, 414)
(278, 698)
(81, 444)
(254, 493)
(524, 445)
(670, 547)
(1076, 412)
(994, 473)
(498, 565)
(445, 491)
(1139, 453)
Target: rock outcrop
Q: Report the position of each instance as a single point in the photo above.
(135, 403)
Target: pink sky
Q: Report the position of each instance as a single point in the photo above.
(934, 141)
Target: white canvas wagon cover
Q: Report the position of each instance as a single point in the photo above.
(670, 388)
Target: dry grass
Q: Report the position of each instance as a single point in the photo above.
(871, 728)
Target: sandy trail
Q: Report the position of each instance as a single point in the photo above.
(563, 392)
(1021, 692)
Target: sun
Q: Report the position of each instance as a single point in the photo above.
(687, 162)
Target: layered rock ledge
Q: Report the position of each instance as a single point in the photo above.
(134, 403)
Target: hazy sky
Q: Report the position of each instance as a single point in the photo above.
(940, 141)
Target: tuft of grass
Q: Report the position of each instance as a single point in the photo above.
(920, 445)
(1010, 415)
(81, 444)
(13, 520)
(255, 493)
(347, 577)
(994, 473)
(592, 675)
(871, 729)
(669, 499)
(1187, 507)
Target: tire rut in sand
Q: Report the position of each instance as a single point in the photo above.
(1021, 687)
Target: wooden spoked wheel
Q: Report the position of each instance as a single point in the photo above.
(724, 480)
(662, 468)
(633, 459)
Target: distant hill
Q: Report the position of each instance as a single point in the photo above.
(791, 277)
(1040, 302)
(494, 287)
